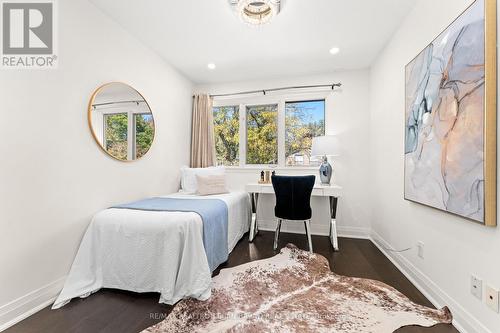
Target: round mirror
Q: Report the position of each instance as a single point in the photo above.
(121, 121)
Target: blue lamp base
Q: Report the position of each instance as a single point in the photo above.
(325, 172)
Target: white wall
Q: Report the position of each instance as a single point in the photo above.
(455, 248)
(347, 115)
(53, 176)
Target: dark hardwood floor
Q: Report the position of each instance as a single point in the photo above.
(120, 311)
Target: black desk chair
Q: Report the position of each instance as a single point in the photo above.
(293, 202)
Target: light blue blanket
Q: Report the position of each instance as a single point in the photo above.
(213, 212)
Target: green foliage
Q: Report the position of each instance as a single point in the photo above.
(226, 128)
(262, 134)
(144, 134)
(116, 135)
(300, 130)
(117, 131)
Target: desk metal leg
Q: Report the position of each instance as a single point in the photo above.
(333, 223)
(254, 226)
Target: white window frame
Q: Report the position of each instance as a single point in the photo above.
(280, 99)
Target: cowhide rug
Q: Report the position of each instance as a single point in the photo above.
(295, 291)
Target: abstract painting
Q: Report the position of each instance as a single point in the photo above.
(450, 118)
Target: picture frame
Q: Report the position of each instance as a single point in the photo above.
(450, 118)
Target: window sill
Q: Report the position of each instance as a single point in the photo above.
(252, 169)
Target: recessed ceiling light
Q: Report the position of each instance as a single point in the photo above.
(211, 66)
(334, 50)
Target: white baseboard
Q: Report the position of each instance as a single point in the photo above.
(462, 319)
(353, 232)
(294, 227)
(316, 229)
(27, 305)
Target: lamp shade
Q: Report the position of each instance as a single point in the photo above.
(327, 145)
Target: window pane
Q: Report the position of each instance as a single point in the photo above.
(116, 134)
(227, 135)
(262, 134)
(144, 133)
(303, 121)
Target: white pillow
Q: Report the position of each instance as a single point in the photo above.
(189, 183)
(211, 184)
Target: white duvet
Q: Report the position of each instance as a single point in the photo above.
(146, 251)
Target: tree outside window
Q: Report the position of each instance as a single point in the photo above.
(227, 138)
(262, 134)
(116, 134)
(144, 134)
(303, 121)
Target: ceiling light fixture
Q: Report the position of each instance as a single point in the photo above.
(211, 66)
(256, 12)
(334, 50)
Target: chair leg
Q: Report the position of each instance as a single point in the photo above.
(308, 233)
(277, 234)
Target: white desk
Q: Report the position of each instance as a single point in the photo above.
(333, 192)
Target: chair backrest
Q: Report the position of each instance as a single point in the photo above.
(293, 196)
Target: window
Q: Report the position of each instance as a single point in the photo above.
(115, 134)
(303, 121)
(124, 145)
(269, 130)
(262, 134)
(227, 137)
(144, 133)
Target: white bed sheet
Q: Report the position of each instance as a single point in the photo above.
(149, 251)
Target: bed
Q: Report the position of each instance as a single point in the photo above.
(151, 251)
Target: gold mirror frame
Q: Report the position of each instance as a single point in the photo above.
(89, 120)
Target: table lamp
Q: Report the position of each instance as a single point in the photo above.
(327, 145)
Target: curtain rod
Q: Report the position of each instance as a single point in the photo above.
(264, 91)
(119, 102)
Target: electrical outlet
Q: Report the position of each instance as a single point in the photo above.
(420, 249)
(476, 287)
(492, 298)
